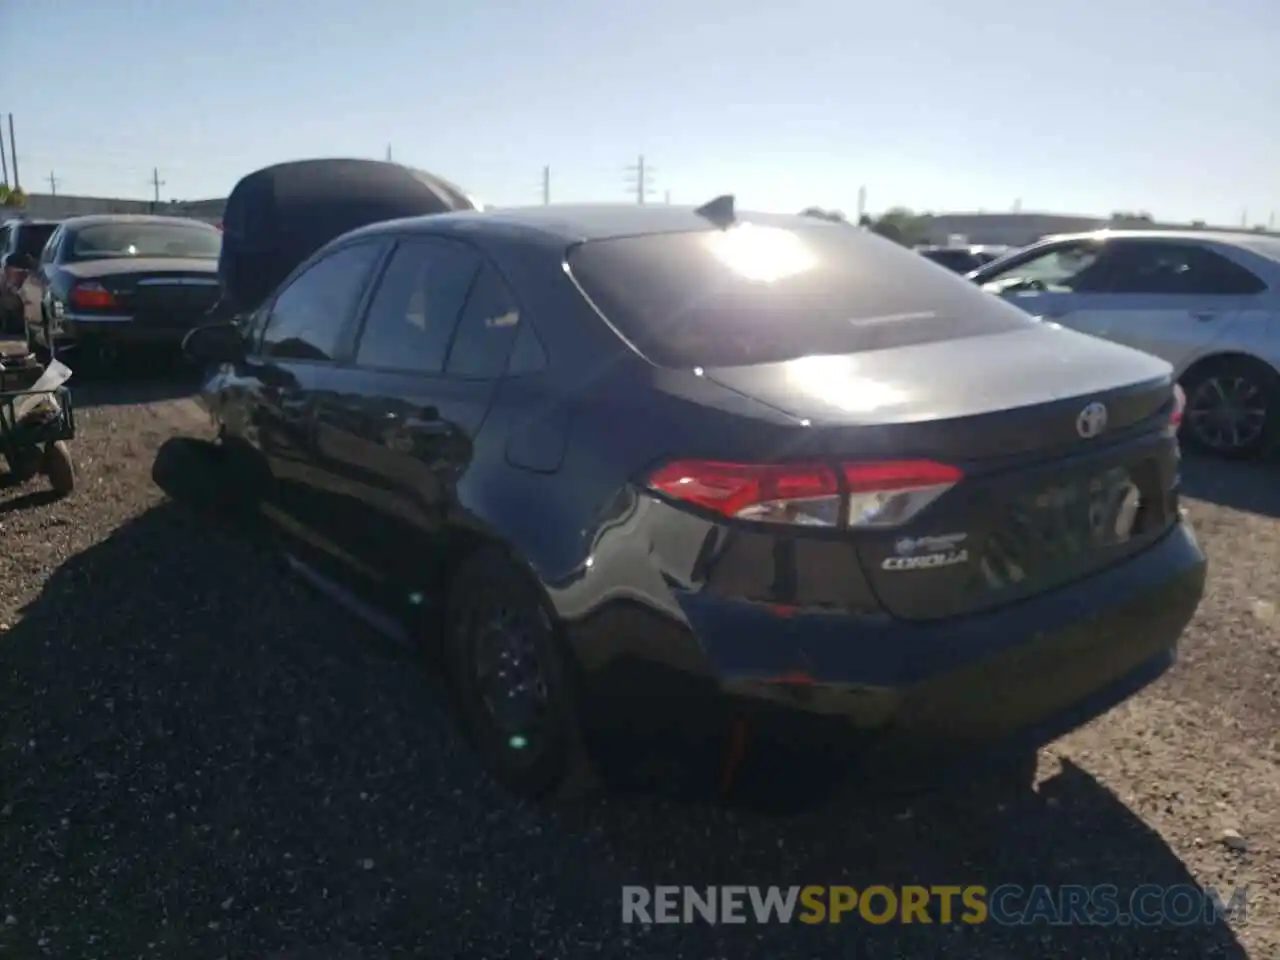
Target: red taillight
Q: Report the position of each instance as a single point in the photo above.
(1179, 406)
(882, 493)
(752, 491)
(92, 296)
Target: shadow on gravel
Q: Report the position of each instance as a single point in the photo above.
(201, 759)
(1253, 487)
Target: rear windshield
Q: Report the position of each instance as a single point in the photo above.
(124, 239)
(1267, 246)
(763, 294)
(33, 236)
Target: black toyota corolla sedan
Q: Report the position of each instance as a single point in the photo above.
(707, 477)
(112, 283)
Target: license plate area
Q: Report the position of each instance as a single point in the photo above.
(1073, 525)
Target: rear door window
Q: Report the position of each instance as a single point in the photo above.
(764, 294)
(1179, 269)
(414, 310)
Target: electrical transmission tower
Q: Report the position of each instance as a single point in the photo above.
(641, 180)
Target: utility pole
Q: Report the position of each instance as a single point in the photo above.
(388, 153)
(156, 184)
(1017, 205)
(4, 159)
(666, 198)
(862, 203)
(642, 175)
(13, 151)
(53, 184)
(546, 185)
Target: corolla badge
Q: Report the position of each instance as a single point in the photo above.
(1092, 420)
(926, 553)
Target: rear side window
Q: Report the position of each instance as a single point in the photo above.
(763, 294)
(488, 329)
(50, 252)
(307, 317)
(416, 306)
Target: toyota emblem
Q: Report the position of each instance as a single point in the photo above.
(1092, 420)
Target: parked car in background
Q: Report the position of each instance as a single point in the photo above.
(657, 472)
(115, 282)
(19, 239)
(1209, 303)
(955, 259)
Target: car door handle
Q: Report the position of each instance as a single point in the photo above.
(1204, 316)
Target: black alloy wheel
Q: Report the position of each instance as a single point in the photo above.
(1233, 406)
(511, 679)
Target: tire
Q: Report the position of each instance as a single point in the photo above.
(24, 464)
(543, 755)
(58, 466)
(1255, 383)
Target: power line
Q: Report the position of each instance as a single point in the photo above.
(641, 175)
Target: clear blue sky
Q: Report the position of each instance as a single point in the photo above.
(1167, 105)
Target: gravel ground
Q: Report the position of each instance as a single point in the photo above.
(199, 758)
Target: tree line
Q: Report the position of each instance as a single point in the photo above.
(897, 223)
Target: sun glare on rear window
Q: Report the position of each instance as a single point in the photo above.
(761, 254)
(763, 293)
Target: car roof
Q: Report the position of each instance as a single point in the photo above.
(97, 219)
(1240, 238)
(29, 222)
(568, 224)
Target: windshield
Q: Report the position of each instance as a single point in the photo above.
(761, 294)
(146, 239)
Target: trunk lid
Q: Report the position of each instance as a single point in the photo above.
(158, 292)
(1040, 504)
(973, 398)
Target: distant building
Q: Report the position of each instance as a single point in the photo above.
(57, 207)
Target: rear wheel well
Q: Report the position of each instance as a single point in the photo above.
(460, 545)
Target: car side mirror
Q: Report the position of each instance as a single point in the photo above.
(214, 343)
